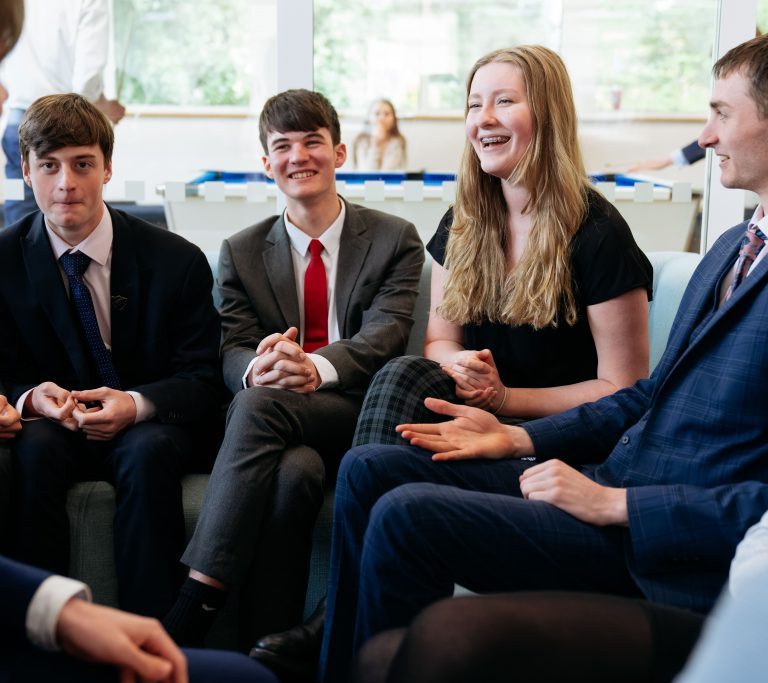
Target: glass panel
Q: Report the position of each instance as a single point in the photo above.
(638, 55)
(417, 53)
(178, 52)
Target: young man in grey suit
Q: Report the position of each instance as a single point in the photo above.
(314, 302)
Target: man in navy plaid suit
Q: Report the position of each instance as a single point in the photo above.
(683, 455)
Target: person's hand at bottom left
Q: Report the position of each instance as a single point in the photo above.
(138, 646)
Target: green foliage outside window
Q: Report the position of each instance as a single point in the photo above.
(184, 52)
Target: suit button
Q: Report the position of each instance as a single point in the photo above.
(625, 439)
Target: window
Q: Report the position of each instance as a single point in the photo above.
(637, 55)
(185, 53)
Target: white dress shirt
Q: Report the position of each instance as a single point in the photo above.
(62, 48)
(330, 239)
(98, 247)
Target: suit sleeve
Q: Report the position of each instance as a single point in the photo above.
(14, 357)
(693, 153)
(241, 326)
(387, 322)
(589, 432)
(672, 526)
(192, 388)
(18, 584)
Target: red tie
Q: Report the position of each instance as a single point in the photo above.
(315, 300)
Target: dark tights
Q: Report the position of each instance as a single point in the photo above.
(534, 637)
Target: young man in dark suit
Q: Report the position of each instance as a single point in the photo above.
(314, 302)
(109, 350)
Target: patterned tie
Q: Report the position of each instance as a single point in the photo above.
(315, 300)
(74, 266)
(751, 245)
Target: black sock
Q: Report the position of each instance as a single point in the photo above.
(192, 616)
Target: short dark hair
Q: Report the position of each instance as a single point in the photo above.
(69, 120)
(751, 58)
(295, 111)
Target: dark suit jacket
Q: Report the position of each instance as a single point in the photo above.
(380, 260)
(165, 330)
(690, 444)
(18, 583)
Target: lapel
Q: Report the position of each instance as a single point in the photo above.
(47, 287)
(278, 265)
(707, 294)
(353, 249)
(124, 285)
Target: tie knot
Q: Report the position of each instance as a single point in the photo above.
(315, 248)
(76, 264)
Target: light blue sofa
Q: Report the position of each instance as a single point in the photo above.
(91, 504)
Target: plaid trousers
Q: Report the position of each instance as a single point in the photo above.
(396, 396)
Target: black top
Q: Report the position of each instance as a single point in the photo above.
(605, 262)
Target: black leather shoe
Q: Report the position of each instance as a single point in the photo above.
(293, 654)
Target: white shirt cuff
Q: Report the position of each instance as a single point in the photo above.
(679, 158)
(20, 407)
(46, 605)
(248, 371)
(329, 378)
(145, 409)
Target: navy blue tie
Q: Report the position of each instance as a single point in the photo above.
(74, 266)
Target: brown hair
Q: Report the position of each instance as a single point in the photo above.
(296, 111)
(752, 58)
(11, 19)
(540, 288)
(395, 132)
(69, 120)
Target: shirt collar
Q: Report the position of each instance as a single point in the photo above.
(760, 219)
(96, 246)
(329, 239)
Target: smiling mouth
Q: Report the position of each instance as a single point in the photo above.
(300, 175)
(491, 141)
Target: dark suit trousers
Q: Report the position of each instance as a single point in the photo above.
(145, 463)
(406, 529)
(264, 496)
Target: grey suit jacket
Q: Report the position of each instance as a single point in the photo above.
(380, 261)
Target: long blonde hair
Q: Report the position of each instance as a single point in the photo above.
(540, 288)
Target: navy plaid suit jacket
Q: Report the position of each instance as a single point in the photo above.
(690, 443)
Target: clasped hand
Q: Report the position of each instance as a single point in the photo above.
(283, 364)
(477, 380)
(115, 412)
(10, 420)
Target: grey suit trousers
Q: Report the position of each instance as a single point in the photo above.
(264, 495)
